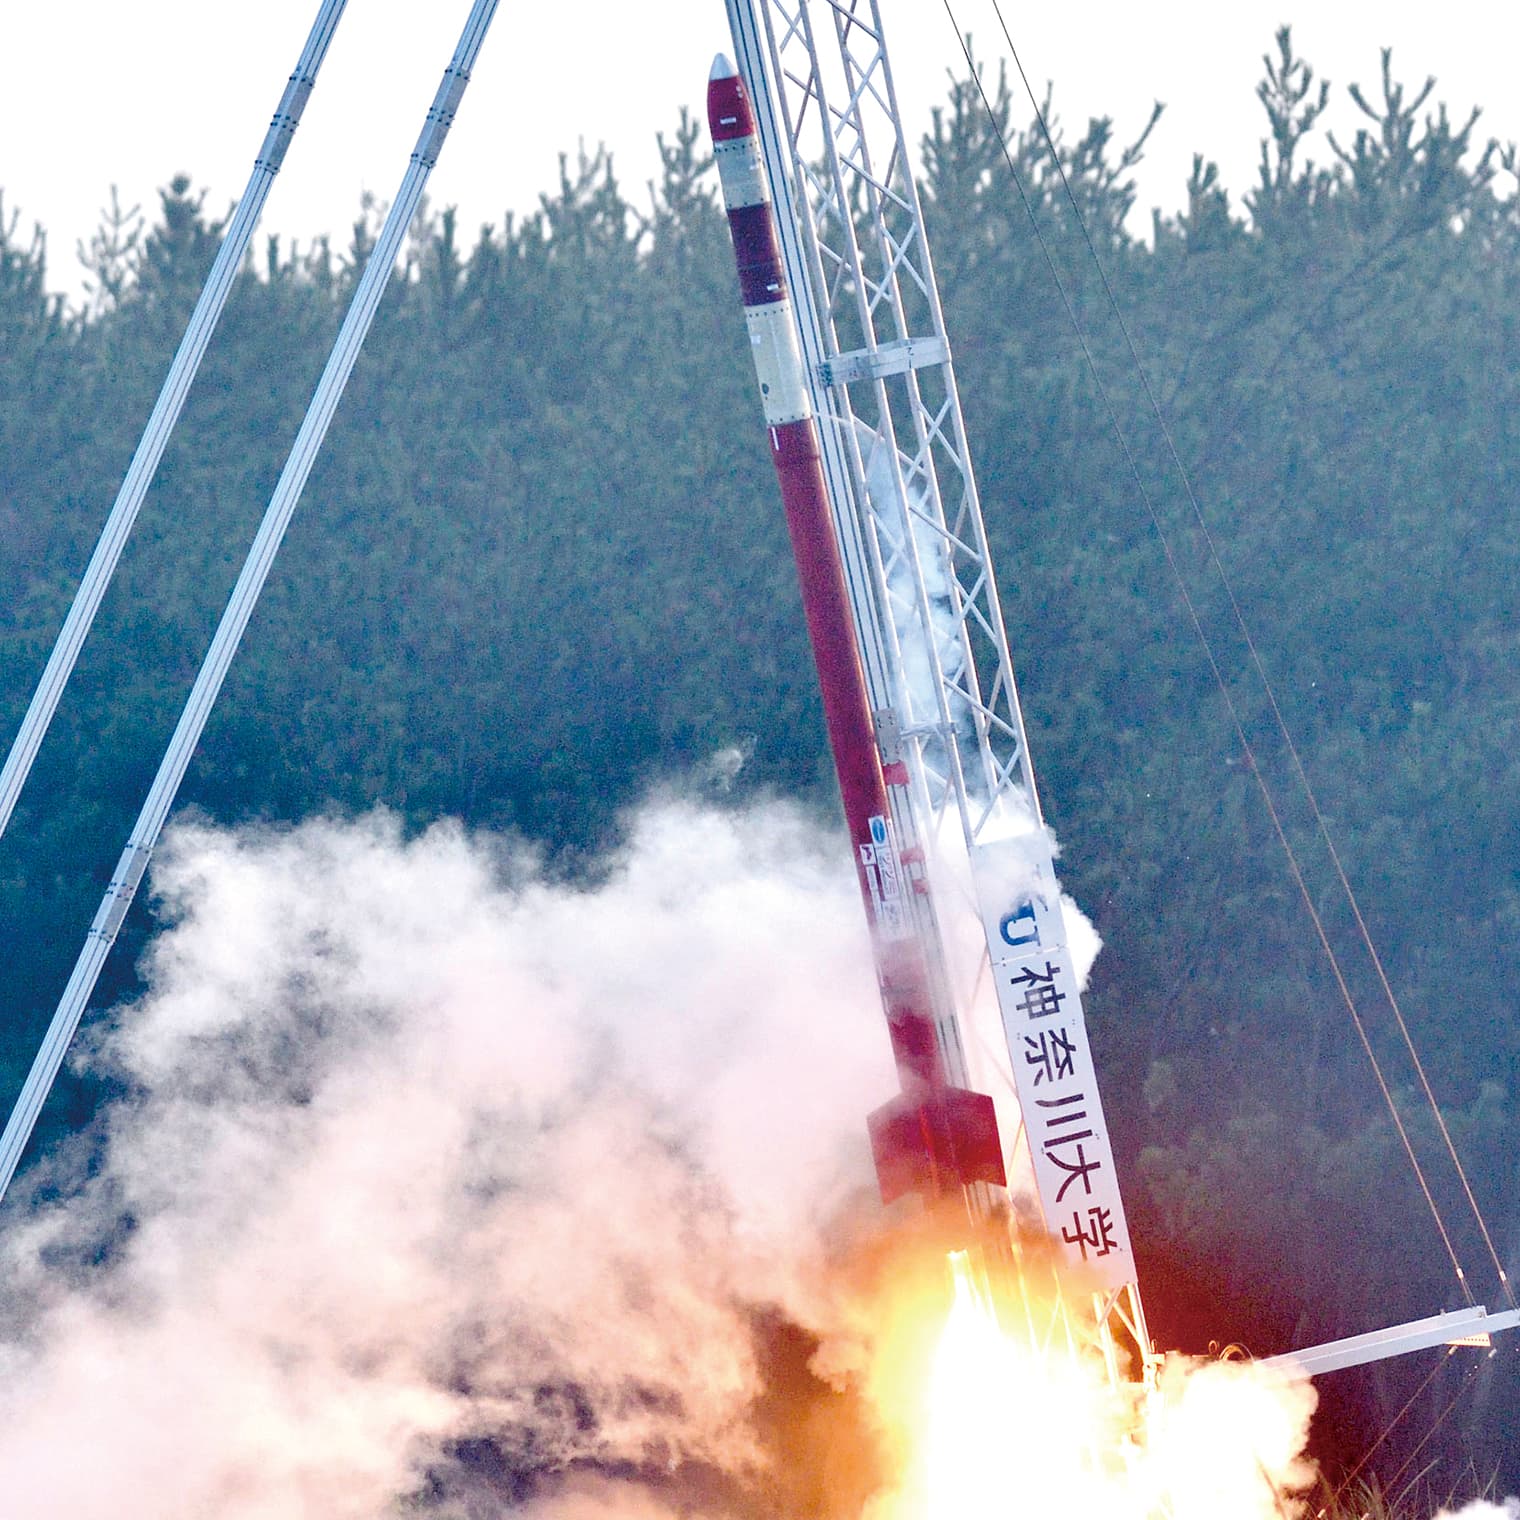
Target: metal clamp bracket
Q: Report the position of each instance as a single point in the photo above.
(895, 358)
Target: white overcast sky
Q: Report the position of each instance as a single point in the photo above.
(129, 92)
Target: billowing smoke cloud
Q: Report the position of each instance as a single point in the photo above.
(426, 1156)
(1484, 1509)
(441, 1187)
(1226, 1441)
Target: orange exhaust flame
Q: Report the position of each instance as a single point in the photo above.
(1007, 1426)
(993, 1425)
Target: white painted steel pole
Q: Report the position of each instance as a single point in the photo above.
(245, 594)
(166, 411)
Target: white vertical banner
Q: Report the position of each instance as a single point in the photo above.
(1052, 1062)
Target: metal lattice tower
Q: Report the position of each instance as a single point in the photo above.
(909, 521)
(886, 381)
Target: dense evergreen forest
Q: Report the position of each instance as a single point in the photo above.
(539, 566)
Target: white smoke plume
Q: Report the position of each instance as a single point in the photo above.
(1226, 1441)
(439, 1187)
(421, 1147)
(1484, 1509)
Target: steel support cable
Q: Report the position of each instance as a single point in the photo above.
(165, 414)
(1396, 1505)
(1234, 715)
(250, 582)
(1388, 1430)
(1280, 723)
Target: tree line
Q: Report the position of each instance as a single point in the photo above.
(539, 567)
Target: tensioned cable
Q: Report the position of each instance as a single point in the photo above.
(165, 414)
(1265, 683)
(1268, 690)
(1396, 1505)
(1388, 1430)
(245, 594)
(1234, 715)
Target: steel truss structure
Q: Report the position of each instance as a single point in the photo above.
(910, 525)
(885, 383)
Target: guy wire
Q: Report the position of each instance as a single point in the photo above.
(1196, 621)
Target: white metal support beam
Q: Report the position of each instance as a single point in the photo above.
(1457, 1327)
(166, 411)
(245, 594)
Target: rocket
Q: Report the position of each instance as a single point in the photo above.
(933, 1138)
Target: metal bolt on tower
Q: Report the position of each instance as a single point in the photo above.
(927, 619)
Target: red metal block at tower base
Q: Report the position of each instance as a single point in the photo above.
(935, 1139)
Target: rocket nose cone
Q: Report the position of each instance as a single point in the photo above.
(728, 112)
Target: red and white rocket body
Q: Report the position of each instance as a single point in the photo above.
(902, 607)
(935, 1139)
